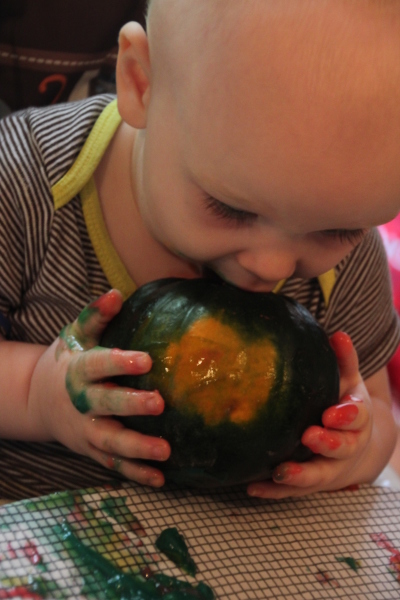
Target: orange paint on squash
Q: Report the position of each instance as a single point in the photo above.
(220, 375)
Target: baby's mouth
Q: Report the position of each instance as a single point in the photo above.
(208, 273)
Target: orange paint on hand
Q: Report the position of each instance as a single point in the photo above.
(219, 374)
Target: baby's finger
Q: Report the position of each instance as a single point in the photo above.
(85, 331)
(318, 473)
(110, 399)
(111, 437)
(95, 316)
(286, 473)
(102, 363)
(350, 415)
(331, 443)
(131, 469)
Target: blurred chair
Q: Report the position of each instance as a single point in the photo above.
(56, 51)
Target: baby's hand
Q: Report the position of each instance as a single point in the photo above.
(76, 402)
(339, 445)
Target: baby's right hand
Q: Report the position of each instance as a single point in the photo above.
(76, 403)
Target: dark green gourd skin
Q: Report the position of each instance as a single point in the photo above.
(226, 452)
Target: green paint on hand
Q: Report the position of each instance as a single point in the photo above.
(86, 314)
(350, 561)
(173, 545)
(70, 339)
(78, 399)
(99, 573)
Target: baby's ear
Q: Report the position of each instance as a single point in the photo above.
(133, 75)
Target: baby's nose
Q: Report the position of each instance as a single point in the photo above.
(268, 265)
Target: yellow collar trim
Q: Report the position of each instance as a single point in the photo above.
(79, 180)
(108, 258)
(326, 281)
(89, 157)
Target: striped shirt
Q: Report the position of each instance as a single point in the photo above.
(56, 256)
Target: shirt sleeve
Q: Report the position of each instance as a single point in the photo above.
(362, 305)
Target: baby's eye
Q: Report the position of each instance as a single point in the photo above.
(228, 213)
(346, 236)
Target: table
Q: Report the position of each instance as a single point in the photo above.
(330, 545)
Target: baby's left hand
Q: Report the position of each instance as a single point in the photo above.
(339, 446)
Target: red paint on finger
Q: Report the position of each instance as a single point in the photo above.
(108, 304)
(113, 462)
(341, 341)
(331, 441)
(340, 415)
(315, 437)
(285, 472)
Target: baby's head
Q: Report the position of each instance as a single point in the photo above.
(287, 112)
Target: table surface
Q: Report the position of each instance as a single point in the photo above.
(330, 545)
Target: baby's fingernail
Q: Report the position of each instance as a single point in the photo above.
(254, 491)
(142, 361)
(106, 303)
(285, 472)
(350, 398)
(153, 404)
(160, 452)
(156, 481)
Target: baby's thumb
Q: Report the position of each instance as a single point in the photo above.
(84, 333)
(93, 319)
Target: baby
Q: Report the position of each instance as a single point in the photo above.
(258, 139)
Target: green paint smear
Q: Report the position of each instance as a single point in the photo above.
(100, 574)
(56, 500)
(86, 314)
(78, 399)
(173, 545)
(353, 563)
(70, 340)
(117, 509)
(34, 585)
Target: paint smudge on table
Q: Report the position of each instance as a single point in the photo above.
(34, 588)
(98, 542)
(173, 545)
(325, 578)
(383, 541)
(146, 585)
(353, 563)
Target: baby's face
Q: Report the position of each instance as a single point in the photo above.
(271, 148)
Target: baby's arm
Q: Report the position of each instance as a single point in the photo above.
(355, 442)
(36, 406)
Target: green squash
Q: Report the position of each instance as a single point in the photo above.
(242, 374)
